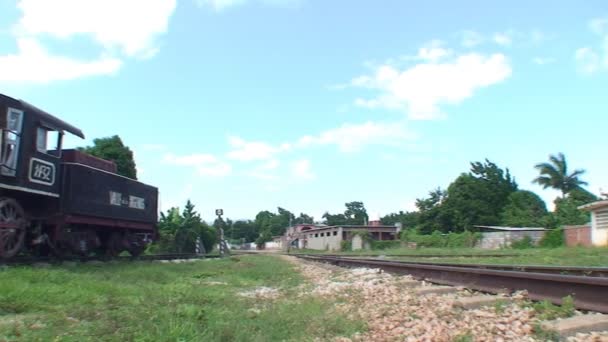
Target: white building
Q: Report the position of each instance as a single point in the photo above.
(599, 222)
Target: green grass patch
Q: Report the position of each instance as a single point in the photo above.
(146, 301)
(562, 256)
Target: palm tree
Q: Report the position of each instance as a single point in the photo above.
(555, 175)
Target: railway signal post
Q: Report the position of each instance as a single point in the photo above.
(223, 246)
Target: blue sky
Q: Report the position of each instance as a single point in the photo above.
(252, 104)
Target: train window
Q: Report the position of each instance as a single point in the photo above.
(48, 141)
(10, 142)
(335, 233)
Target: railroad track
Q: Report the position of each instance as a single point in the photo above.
(589, 292)
(565, 270)
(28, 260)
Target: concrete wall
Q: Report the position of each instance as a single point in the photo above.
(329, 239)
(495, 240)
(599, 224)
(577, 236)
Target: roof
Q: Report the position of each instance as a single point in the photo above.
(511, 229)
(52, 122)
(594, 205)
(350, 227)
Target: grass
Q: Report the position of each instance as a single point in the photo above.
(146, 301)
(562, 256)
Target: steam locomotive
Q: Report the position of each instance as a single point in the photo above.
(56, 201)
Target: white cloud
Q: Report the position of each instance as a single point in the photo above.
(205, 164)
(422, 88)
(301, 169)
(120, 28)
(32, 63)
(471, 38)
(503, 39)
(593, 59)
(543, 60)
(253, 150)
(131, 26)
(351, 137)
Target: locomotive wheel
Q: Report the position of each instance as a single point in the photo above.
(12, 228)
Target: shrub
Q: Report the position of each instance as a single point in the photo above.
(553, 238)
(379, 245)
(436, 239)
(524, 243)
(346, 246)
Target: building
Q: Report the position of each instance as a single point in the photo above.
(599, 223)
(324, 237)
(494, 237)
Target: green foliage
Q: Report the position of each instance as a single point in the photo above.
(407, 219)
(554, 174)
(179, 231)
(524, 209)
(552, 239)
(468, 337)
(524, 243)
(436, 239)
(112, 148)
(566, 208)
(546, 310)
(355, 214)
(382, 245)
(346, 246)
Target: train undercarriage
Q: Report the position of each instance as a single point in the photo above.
(64, 236)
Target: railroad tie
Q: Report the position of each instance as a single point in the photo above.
(475, 302)
(578, 324)
(436, 290)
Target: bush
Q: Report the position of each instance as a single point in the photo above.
(380, 245)
(346, 246)
(524, 243)
(553, 238)
(454, 240)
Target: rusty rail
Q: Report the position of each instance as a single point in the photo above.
(589, 293)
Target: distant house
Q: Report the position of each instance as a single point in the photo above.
(494, 237)
(324, 237)
(599, 222)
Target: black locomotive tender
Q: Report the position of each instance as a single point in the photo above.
(65, 202)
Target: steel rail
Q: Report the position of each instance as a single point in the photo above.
(589, 293)
(566, 270)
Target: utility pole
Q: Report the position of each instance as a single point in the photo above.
(222, 242)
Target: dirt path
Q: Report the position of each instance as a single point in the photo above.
(396, 312)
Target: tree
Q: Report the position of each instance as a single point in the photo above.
(476, 198)
(407, 219)
(355, 213)
(554, 174)
(303, 218)
(524, 209)
(179, 231)
(566, 208)
(113, 149)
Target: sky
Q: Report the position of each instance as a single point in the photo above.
(248, 105)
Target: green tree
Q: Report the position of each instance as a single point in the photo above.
(244, 229)
(113, 149)
(407, 219)
(554, 174)
(303, 218)
(475, 198)
(566, 208)
(524, 209)
(355, 213)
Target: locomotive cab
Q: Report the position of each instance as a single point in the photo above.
(64, 200)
